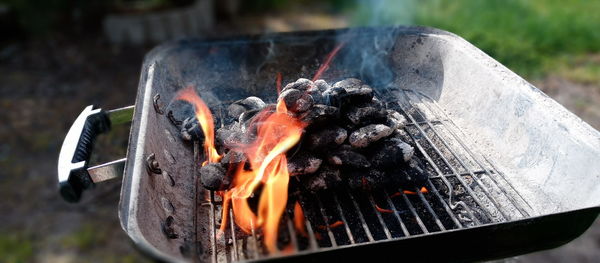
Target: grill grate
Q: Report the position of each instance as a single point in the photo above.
(465, 190)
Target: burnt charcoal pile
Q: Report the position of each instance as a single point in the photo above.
(351, 138)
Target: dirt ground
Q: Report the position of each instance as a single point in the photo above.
(45, 84)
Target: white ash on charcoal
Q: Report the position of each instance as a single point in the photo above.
(346, 157)
(303, 163)
(352, 138)
(319, 114)
(231, 135)
(326, 138)
(391, 152)
(296, 101)
(307, 86)
(395, 120)
(366, 115)
(369, 134)
(328, 177)
(251, 103)
(233, 158)
(357, 91)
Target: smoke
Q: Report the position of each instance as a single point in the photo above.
(369, 53)
(383, 12)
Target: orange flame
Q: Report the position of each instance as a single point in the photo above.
(277, 132)
(205, 119)
(278, 82)
(328, 60)
(299, 220)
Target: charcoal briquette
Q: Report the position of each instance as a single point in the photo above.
(395, 120)
(329, 136)
(213, 177)
(366, 180)
(409, 175)
(365, 115)
(391, 152)
(328, 177)
(348, 159)
(322, 85)
(231, 136)
(357, 92)
(335, 96)
(303, 163)
(301, 84)
(296, 101)
(314, 183)
(319, 113)
(191, 130)
(233, 158)
(364, 136)
(238, 107)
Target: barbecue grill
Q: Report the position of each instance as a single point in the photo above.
(510, 170)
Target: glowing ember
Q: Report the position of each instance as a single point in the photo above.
(383, 210)
(422, 190)
(333, 225)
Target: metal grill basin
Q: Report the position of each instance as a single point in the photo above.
(510, 170)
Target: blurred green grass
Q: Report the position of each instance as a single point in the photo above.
(532, 37)
(15, 248)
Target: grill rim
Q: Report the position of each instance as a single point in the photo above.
(503, 233)
(129, 199)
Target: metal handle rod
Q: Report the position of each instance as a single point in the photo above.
(74, 176)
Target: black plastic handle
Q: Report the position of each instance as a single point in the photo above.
(76, 150)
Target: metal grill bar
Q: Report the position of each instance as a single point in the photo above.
(488, 172)
(378, 214)
(311, 236)
(434, 211)
(444, 204)
(462, 163)
(393, 207)
(293, 240)
(329, 232)
(196, 199)
(361, 218)
(465, 184)
(255, 239)
(438, 222)
(234, 255)
(346, 226)
(213, 228)
(414, 213)
(445, 181)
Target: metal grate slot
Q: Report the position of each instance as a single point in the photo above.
(464, 189)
